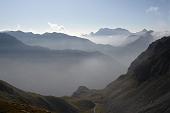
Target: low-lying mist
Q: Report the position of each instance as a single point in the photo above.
(116, 40)
(59, 77)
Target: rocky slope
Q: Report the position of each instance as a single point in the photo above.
(145, 88)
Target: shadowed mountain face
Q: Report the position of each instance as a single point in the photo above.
(153, 62)
(49, 70)
(145, 88)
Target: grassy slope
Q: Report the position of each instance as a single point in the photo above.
(12, 107)
(14, 100)
(10, 93)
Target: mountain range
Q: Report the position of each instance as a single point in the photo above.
(43, 67)
(143, 89)
(135, 42)
(58, 41)
(110, 32)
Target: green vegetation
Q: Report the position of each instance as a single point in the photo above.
(12, 107)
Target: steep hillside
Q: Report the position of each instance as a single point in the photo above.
(13, 107)
(10, 95)
(14, 100)
(145, 88)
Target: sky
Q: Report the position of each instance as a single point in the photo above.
(77, 17)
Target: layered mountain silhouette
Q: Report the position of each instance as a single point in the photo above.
(58, 41)
(135, 36)
(11, 44)
(136, 43)
(44, 67)
(143, 89)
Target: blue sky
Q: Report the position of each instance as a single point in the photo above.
(77, 17)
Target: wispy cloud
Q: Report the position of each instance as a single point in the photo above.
(12, 28)
(18, 27)
(153, 9)
(56, 27)
(162, 25)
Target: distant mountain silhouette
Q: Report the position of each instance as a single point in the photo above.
(134, 36)
(110, 32)
(29, 63)
(137, 43)
(130, 51)
(10, 43)
(58, 41)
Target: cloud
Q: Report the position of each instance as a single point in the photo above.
(162, 25)
(18, 27)
(12, 28)
(153, 9)
(55, 27)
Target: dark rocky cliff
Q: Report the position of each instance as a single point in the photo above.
(146, 86)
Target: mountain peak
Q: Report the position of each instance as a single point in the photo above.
(83, 88)
(109, 32)
(80, 91)
(144, 30)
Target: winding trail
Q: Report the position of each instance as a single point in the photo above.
(94, 109)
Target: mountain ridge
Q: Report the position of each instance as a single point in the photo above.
(110, 32)
(59, 41)
(30, 63)
(145, 86)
